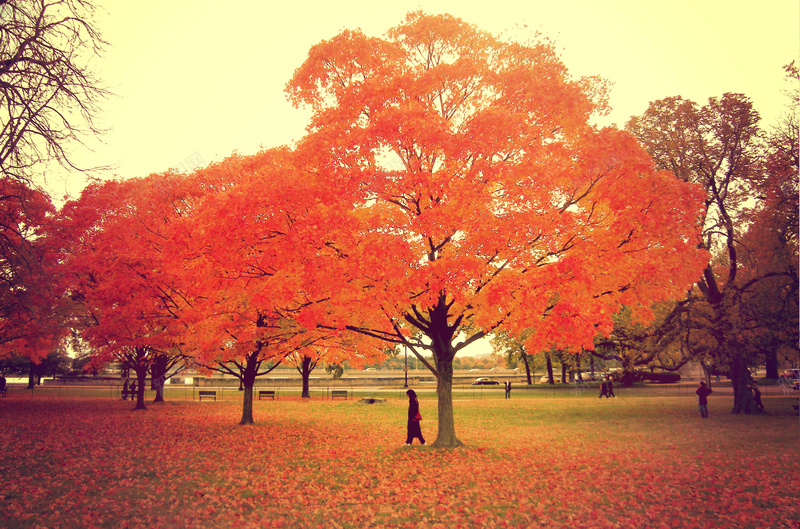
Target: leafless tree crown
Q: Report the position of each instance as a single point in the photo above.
(49, 96)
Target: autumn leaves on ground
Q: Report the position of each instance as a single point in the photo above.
(632, 462)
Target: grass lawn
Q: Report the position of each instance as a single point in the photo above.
(557, 462)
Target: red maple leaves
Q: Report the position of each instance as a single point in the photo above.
(314, 464)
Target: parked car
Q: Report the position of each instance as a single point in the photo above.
(484, 382)
(545, 380)
(791, 374)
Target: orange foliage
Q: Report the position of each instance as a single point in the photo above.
(115, 238)
(30, 312)
(250, 252)
(492, 202)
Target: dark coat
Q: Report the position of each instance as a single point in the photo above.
(702, 394)
(413, 409)
(413, 430)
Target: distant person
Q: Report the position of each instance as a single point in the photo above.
(414, 417)
(133, 389)
(604, 388)
(702, 399)
(508, 389)
(757, 395)
(2, 383)
(611, 387)
(125, 390)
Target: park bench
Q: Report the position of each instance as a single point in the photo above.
(268, 393)
(207, 394)
(128, 394)
(339, 394)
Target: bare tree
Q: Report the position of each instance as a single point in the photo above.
(49, 96)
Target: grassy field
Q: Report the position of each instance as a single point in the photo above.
(560, 461)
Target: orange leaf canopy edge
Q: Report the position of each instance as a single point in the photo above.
(250, 251)
(30, 311)
(491, 202)
(114, 260)
(488, 199)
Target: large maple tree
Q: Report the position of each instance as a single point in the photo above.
(488, 199)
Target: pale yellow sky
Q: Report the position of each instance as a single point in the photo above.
(198, 79)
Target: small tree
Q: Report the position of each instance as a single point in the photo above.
(165, 365)
(514, 348)
(305, 362)
(335, 370)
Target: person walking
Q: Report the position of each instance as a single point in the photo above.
(611, 388)
(508, 389)
(702, 399)
(414, 417)
(604, 388)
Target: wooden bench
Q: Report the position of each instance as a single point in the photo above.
(207, 394)
(268, 393)
(128, 394)
(339, 394)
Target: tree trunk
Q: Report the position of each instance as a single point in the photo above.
(248, 379)
(158, 376)
(563, 372)
(32, 376)
(141, 376)
(441, 332)
(305, 394)
(549, 368)
(247, 405)
(159, 387)
(527, 367)
(771, 361)
(741, 380)
(305, 372)
(446, 436)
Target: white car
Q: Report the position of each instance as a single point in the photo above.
(545, 380)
